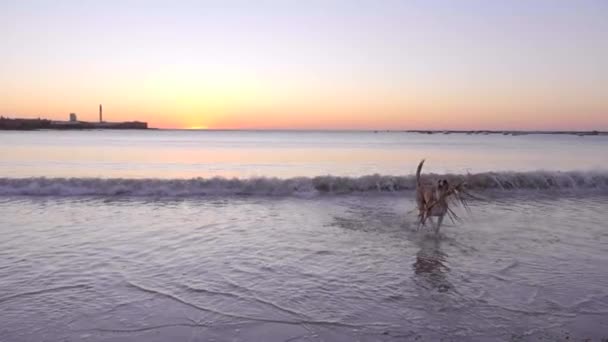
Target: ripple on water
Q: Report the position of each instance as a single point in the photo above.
(317, 267)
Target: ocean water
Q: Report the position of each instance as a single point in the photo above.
(299, 236)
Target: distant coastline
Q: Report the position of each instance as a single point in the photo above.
(507, 132)
(21, 124)
(18, 124)
(418, 131)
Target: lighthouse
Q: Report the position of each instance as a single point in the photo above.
(100, 114)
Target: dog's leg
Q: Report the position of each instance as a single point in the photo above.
(439, 221)
(421, 219)
(430, 218)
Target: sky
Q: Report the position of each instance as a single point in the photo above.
(316, 64)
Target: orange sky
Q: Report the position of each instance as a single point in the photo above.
(321, 65)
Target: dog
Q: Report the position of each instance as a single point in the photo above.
(431, 199)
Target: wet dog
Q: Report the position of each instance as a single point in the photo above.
(431, 199)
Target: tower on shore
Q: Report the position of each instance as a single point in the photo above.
(100, 114)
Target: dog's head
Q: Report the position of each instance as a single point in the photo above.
(443, 185)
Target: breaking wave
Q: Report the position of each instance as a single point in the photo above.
(501, 181)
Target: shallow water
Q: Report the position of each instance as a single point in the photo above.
(106, 236)
(332, 268)
(244, 154)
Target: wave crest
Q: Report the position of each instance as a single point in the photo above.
(264, 186)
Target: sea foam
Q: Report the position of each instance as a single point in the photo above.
(265, 186)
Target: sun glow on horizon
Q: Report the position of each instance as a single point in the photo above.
(301, 65)
(198, 128)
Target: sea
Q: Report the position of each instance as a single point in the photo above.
(177, 235)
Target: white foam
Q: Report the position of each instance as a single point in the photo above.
(501, 181)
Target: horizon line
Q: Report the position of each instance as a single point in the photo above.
(295, 129)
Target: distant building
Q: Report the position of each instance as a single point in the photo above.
(73, 117)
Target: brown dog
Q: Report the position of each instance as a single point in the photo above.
(431, 199)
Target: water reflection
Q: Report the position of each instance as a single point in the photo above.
(187, 154)
(430, 267)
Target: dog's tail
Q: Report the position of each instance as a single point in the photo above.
(418, 170)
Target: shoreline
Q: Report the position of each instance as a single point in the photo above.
(19, 124)
(8, 124)
(418, 131)
(508, 132)
(136, 126)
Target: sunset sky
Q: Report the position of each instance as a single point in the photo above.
(352, 64)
